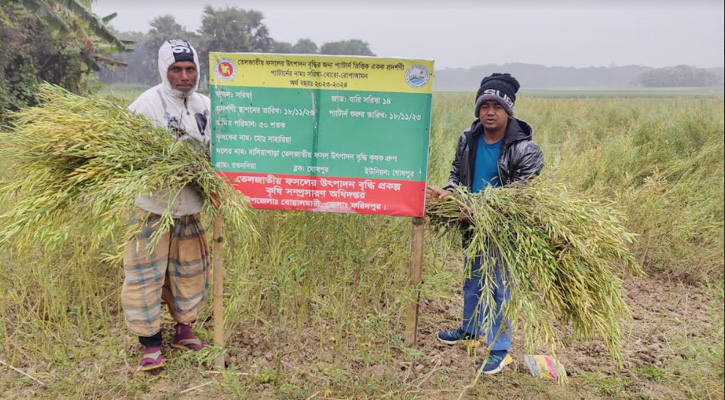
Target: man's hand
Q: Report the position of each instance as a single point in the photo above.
(434, 195)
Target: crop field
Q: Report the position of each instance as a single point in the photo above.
(315, 303)
(626, 92)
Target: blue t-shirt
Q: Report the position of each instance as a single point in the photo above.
(485, 167)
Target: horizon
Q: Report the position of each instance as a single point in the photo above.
(583, 67)
(559, 34)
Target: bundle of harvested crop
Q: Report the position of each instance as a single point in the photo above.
(563, 256)
(77, 164)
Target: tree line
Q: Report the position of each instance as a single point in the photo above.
(229, 29)
(65, 43)
(535, 76)
(681, 75)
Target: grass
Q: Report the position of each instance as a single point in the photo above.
(126, 91)
(701, 366)
(315, 305)
(624, 92)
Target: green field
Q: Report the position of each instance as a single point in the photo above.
(130, 91)
(626, 92)
(315, 305)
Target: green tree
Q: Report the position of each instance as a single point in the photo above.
(282, 47)
(352, 47)
(305, 46)
(78, 26)
(163, 28)
(232, 29)
(61, 42)
(258, 32)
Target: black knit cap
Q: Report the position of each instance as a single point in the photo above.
(182, 50)
(499, 87)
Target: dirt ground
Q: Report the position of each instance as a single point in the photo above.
(666, 316)
(672, 324)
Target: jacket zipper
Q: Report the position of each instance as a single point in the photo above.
(498, 164)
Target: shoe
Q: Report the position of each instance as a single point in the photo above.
(497, 359)
(184, 339)
(152, 359)
(456, 336)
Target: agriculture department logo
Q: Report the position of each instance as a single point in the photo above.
(225, 69)
(417, 76)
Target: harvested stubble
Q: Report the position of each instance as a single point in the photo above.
(562, 254)
(77, 164)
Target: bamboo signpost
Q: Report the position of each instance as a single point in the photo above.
(324, 133)
(218, 288)
(416, 274)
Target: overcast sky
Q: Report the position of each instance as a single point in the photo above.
(460, 33)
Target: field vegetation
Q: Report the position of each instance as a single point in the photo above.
(315, 303)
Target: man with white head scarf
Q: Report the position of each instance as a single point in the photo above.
(175, 270)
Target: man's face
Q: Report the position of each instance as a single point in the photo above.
(182, 75)
(493, 116)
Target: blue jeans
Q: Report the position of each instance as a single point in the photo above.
(473, 311)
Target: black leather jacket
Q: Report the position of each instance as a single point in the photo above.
(520, 157)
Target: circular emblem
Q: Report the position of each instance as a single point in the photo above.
(225, 69)
(417, 76)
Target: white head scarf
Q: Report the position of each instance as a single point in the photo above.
(175, 50)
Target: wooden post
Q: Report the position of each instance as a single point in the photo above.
(416, 272)
(218, 289)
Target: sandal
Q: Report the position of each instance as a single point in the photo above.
(184, 339)
(152, 359)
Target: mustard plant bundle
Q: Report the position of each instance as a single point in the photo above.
(77, 164)
(563, 256)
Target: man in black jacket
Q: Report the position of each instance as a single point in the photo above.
(496, 150)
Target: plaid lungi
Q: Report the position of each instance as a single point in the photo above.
(176, 271)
